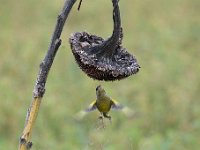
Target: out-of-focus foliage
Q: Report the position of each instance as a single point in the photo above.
(164, 36)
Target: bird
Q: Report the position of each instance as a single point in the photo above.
(104, 104)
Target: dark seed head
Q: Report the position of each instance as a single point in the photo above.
(121, 65)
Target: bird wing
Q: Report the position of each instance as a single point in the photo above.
(116, 105)
(126, 110)
(81, 114)
(91, 107)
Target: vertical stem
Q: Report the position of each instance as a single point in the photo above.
(117, 22)
(113, 41)
(107, 48)
(39, 89)
(32, 113)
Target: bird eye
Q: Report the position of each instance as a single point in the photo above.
(97, 87)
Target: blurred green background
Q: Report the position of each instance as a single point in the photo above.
(163, 35)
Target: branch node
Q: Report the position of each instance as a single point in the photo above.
(60, 17)
(29, 145)
(39, 90)
(22, 140)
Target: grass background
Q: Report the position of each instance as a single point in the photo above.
(164, 36)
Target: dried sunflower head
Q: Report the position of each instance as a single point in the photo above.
(104, 59)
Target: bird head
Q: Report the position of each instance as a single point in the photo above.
(100, 91)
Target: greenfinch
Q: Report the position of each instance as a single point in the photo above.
(104, 104)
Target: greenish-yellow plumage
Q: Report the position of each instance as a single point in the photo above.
(104, 104)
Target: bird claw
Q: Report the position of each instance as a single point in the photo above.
(110, 119)
(101, 117)
(102, 122)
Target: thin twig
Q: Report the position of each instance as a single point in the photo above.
(39, 89)
(79, 5)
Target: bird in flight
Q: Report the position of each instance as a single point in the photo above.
(104, 104)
